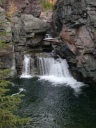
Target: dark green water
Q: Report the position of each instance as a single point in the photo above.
(58, 106)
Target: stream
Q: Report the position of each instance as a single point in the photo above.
(54, 99)
(56, 105)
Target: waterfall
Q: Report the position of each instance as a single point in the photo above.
(50, 66)
(53, 70)
(48, 36)
(57, 72)
(26, 67)
(13, 68)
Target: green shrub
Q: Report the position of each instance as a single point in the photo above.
(46, 5)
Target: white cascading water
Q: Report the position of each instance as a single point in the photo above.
(13, 68)
(26, 67)
(48, 36)
(57, 72)
(50, 66)
(53, 70)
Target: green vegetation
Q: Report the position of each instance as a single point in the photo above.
(8, 104)
(46, 5)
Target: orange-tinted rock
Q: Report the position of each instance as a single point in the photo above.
(25, 6)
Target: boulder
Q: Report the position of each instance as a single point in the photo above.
(28, 30)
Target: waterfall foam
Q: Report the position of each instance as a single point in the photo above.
(57, 72)
(20, 90)
(26, 67)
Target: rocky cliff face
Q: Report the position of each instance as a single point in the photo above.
(24, 31)
(75, 22)
(28, 35)
(32, 7)
(6, 53)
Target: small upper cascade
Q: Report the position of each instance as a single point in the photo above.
(26, 67)
(47, 37)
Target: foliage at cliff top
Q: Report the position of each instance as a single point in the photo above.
(12, 9)
(47, 4)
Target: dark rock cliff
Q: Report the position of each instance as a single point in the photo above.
(75, 22)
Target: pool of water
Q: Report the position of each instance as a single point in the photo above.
(56, 105)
